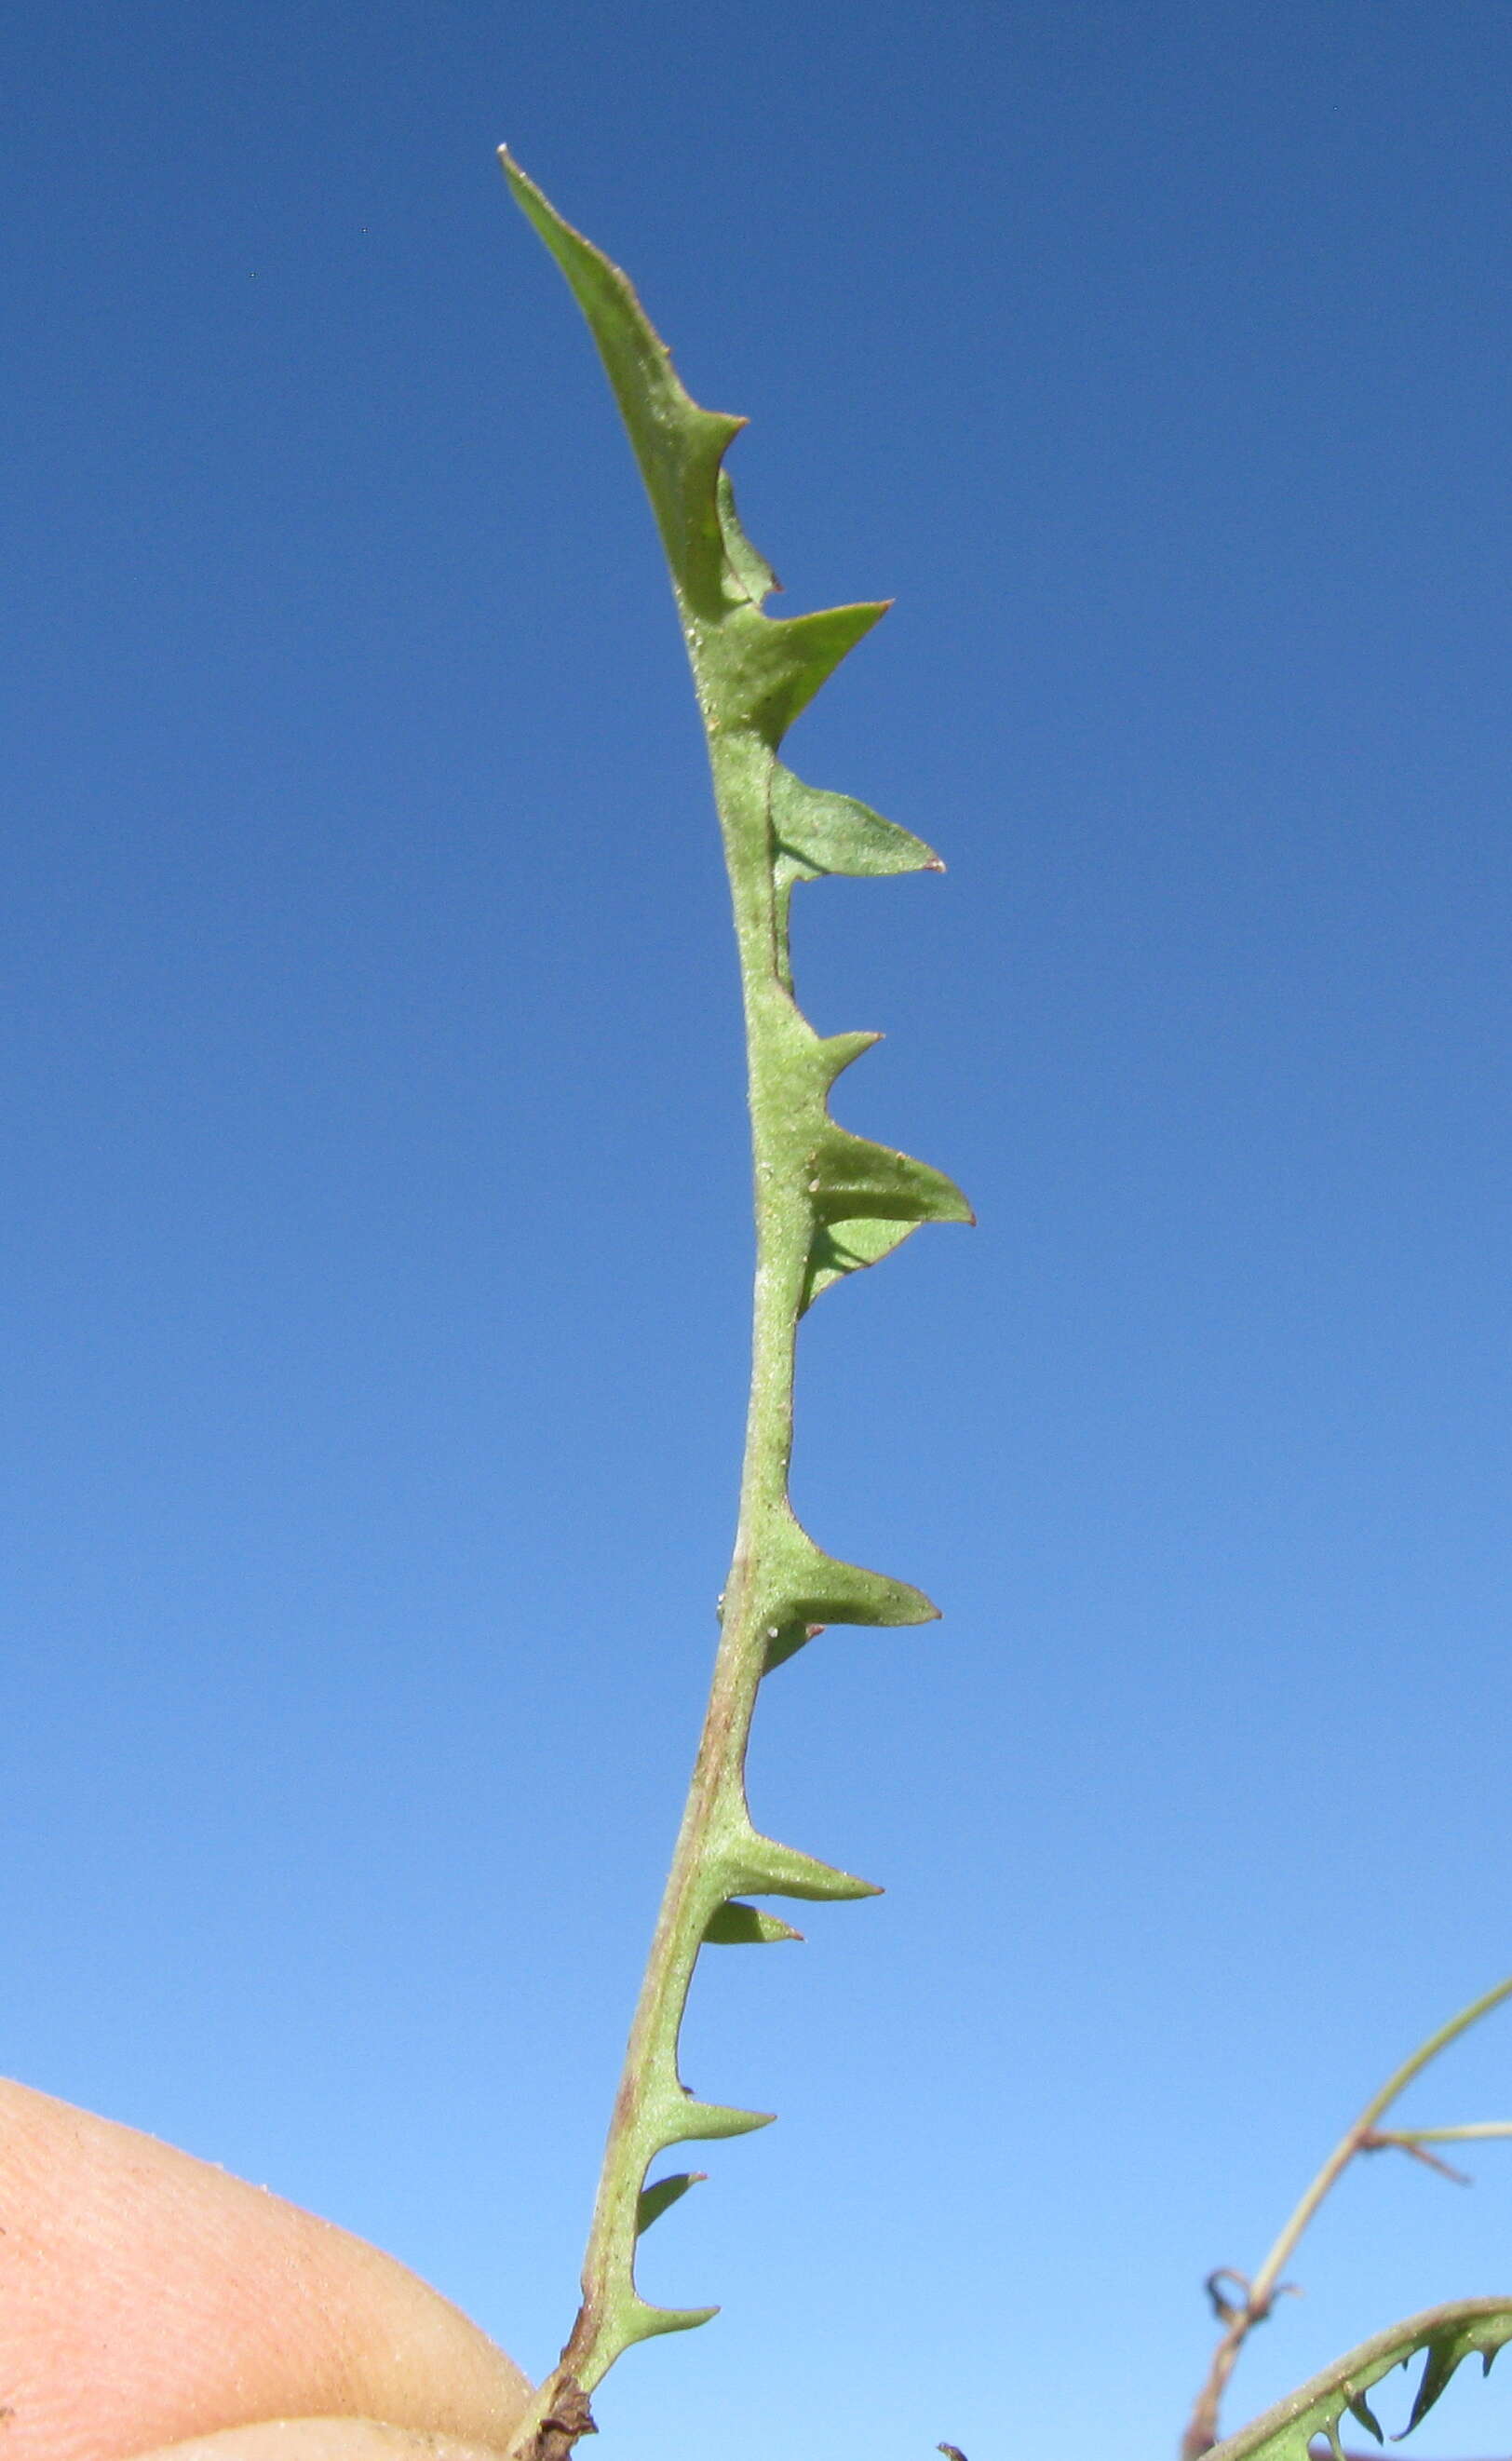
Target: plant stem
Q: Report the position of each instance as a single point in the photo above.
(715, 1804)
(1262, 2291)
(1479, 2128)
(826, 1203)
(714, 1815)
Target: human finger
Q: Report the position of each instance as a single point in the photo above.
(147, 2298)
(320, 2439)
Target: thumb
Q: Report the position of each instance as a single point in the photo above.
(147, 2298)
(320, 2439)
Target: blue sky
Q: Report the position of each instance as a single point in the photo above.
(376, 1242)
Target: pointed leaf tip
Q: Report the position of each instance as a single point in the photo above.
(1440, 2360)
(851, 1179)
(770, 1870)
(813, 1587)
(748, 566)
(769, 668)
(834, 833)
(837, 1051)
(733, 1925)
(685, 2120)
(640, 2321)
(654, 2201)
(1361, 2412)
(678, 446)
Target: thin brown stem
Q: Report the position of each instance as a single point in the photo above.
(1363, 2136)
(1385, 2140)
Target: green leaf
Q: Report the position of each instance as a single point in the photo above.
(1361, 2412)
(851, 1179)
(763, 670)
(784, 1640)
(1446, 2336)
(680, 2118)
(654, 2201)
(679, 447)
(733, 1925)
(842, 1248)
(828, 1204)
(837, 1051)
(747, 564)
(637, 2320)
(822, 833)
(810, 1587)
(767, 1869)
